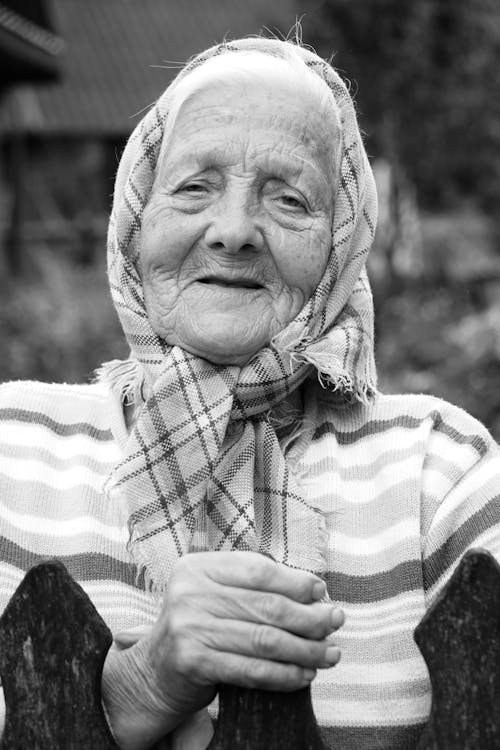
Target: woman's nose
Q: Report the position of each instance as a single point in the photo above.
(234, 229)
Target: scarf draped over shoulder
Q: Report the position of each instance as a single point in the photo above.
(203, 467)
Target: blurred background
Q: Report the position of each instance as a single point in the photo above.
(75, 76)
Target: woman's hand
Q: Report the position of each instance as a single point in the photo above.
(233, 617)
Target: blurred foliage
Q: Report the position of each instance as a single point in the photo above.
(426, 79)
(435, 340)
(438, 332)
(57, 321)
(426, 75)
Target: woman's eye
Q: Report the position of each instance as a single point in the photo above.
(193, 188)
(292, 201)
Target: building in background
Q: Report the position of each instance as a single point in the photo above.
(61, 139)
(29, 48)
(30, 53)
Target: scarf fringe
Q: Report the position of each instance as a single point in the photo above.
(143, 577)
(348, 390)
(127, 378)
(339, 382)
(157, 586)
(124, 376)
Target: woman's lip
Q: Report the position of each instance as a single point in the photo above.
(245, 283)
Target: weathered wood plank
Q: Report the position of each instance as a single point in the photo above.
(460, 641)
(265, 720)
(53, 644)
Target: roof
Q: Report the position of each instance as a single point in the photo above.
(121, 54)
(28, 50)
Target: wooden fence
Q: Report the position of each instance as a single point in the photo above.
(53, 644)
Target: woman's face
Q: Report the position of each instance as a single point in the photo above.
(237, 231)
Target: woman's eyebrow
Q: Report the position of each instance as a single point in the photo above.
(297, 169)
(185, 162)
(172, 171)
(306, 176)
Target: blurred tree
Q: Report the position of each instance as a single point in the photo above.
(428, 74)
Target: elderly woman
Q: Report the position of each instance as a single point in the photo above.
(247, 421)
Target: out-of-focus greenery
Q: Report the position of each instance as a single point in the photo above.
(438, 331)
(437, 334)
(57, 321)
(426, 76)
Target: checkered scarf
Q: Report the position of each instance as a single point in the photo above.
(203, 467)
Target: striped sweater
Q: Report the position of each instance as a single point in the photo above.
(407, 485)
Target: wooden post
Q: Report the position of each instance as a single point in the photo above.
(261, 719)
(53, 644)
(460, 641)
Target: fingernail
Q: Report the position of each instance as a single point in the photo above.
(332, 655)
(309, 674)
(318, 590)
(337, 617)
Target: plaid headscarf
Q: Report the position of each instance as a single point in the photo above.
(203, 467)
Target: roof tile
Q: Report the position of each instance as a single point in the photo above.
(118, 58)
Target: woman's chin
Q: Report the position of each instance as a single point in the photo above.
(224, 337)
(230, 358)
(224, 350)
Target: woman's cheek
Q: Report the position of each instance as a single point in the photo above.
(302, 258)
(161, 295)
(158, 249)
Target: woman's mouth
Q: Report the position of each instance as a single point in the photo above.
(234, 283)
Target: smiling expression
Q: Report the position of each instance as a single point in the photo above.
(237, 231)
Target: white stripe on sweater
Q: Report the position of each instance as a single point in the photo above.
(58, 479)
(27, 434)
(72, 527)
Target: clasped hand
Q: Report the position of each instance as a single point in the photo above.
(227, 617)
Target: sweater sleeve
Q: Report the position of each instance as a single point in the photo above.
(460, 495)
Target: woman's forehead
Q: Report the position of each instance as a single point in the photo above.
(233, 103)
(244, 70)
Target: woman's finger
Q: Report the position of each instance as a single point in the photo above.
(250, 672)
(316, 620)
(257, 572)
(127, 638)
(266, 642)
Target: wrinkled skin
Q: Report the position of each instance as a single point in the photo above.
(235, 238)
(234, 617)
(237, 232)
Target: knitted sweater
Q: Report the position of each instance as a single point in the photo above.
(407, 485)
